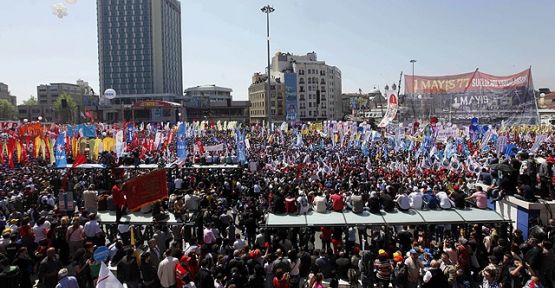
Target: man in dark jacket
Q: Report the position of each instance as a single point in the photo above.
(435, 277)
(128, 269)
(204, 276)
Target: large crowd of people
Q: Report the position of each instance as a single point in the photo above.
(220, 238)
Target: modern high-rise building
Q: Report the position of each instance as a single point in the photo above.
(312, 88)
(139, 48)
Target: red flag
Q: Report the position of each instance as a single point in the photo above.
(1, 153)
(11, 148)
(146, 189)
(80, 159)
(200, 146)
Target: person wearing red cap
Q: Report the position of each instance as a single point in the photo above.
(458, 197)
(400, 272)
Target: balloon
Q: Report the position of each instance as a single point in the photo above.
(59, 10)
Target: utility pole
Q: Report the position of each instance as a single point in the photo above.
(268, 9)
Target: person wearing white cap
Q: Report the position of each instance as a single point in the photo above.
(65, 281)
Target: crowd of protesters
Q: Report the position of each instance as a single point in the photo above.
(220, 239)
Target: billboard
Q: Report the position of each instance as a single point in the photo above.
(475, 94)
(291, 109)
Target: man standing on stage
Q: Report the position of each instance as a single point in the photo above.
(119, 200)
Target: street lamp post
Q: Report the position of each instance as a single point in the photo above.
(412, 61)
(268, 9)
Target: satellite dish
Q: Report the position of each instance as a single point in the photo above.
(110, 94)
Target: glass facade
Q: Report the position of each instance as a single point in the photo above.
(125, 46)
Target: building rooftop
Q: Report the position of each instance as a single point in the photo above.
(208, 88)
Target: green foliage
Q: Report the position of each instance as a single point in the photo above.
(7, 110)
(31, 101)
(66, 114)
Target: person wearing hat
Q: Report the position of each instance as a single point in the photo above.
(383, 268)
(66, 281)
(413, 268)
(400, 272)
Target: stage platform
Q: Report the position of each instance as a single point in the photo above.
(155, 166)
(138, 218)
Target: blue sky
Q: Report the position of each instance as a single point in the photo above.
(224, 41)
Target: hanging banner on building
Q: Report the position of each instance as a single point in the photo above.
(475, 94)
(146, 189)
(392, 106)
(291, 96)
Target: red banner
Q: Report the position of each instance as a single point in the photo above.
(146, 189)
(473, 81)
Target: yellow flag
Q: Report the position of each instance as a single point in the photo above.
(91, 149)
(133, 241)
(18, 147)
(37, 146)
(74, 147)
(51, 144)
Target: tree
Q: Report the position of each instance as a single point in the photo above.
(66, 110)
(7, 110)
(31, 101)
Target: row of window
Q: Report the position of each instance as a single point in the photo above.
(312, 71)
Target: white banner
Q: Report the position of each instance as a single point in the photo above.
(392, 105)
(212, 148)
(445, 133)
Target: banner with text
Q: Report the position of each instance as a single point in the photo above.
(475, 94)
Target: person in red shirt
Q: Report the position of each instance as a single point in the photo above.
(281, 280)
(337, 202)
(119, 200)
(290, 204)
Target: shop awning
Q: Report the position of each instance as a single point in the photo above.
(365, 218)
(475, 215)
(411, 217)
(325, 219)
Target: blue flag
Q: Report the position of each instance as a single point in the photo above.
(60, 151)
(88, 131)
(240, 141)
(130, 130)
(181, 142)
